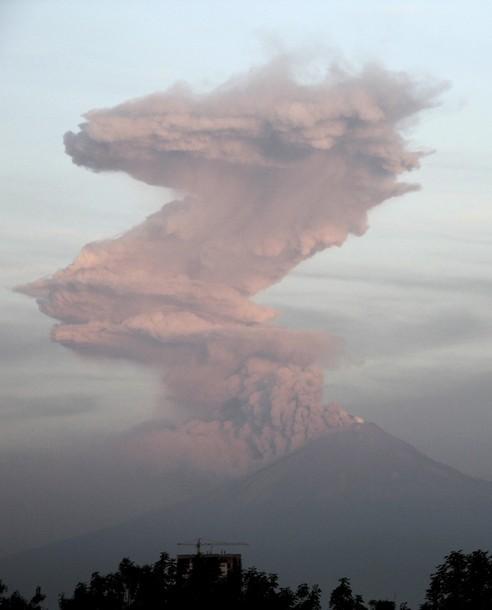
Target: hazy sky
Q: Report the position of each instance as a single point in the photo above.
(411, 298)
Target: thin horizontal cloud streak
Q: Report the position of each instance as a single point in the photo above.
(272, 171)
(450, 283)
(425, 331)
(64, 405)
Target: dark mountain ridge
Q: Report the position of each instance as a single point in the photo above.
(358, 502)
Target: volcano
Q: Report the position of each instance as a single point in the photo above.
(357, 502)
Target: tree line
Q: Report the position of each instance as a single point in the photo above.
(462, 582)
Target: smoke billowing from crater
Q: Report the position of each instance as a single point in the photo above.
(272, 172)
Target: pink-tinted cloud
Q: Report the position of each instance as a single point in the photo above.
(272, 172)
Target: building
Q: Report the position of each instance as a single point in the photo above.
(221, 564)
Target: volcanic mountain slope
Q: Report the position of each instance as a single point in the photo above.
(357, 502)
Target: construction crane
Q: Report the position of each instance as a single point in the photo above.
(199, 543)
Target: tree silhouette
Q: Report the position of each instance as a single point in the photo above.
(132, 586)
(462, 582)
(307, 598)
(342, 597)
(158, 587)
(17, 602)
(382, 604)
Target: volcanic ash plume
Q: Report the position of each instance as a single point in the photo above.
(271, 171)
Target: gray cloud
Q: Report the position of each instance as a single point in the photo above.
(450, 283)
(14, 347)
(440, 327)
(65, 405)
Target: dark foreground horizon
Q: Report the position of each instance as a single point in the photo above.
(356, 502)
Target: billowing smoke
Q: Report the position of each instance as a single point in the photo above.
(270, 171)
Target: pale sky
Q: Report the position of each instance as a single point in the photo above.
(411, 298)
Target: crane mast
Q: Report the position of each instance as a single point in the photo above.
(199, 543)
